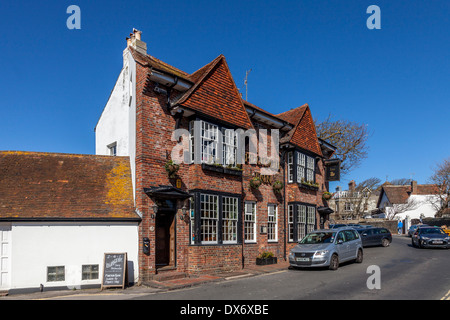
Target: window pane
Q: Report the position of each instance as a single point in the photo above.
(209, 217)
(250, 221)
(229, 219)
(272, 223)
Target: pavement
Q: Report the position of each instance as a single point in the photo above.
(151, 286)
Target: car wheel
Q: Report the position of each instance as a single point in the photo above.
(334, 262)
(385, 242)
(359, 256)
(413, 244)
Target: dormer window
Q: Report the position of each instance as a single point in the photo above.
(218, 145)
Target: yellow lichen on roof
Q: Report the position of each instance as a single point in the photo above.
(118, 186)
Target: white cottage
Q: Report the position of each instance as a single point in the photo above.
(59, 214)
(414, 201)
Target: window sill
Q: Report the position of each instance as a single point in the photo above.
(221, 169)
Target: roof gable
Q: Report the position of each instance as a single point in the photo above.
(65, 186)
(215, 94)
(304, 133)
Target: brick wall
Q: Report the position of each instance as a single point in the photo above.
(154, 126)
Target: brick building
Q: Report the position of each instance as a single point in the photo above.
(206, 216)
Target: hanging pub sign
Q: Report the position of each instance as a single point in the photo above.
(333, 170)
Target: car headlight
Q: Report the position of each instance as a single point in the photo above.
(425, 238)
(320, 253)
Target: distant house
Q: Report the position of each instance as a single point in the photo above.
(415, 201)
(59, 214)
(351, 204)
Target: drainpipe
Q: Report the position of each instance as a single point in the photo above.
(284, 200)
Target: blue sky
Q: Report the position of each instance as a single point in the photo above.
(55, 81)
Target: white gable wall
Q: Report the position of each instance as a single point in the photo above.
(117, 123)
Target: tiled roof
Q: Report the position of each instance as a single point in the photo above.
(152, 62)
(400, 193)
(215, 94)
(304, 133)
(58, 186)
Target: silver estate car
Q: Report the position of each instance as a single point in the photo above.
(327, 248)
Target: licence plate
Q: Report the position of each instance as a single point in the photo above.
(438, 242)
(302, 259)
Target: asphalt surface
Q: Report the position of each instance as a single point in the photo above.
(406, 273)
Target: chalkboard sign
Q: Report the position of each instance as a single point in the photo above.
(114, 270)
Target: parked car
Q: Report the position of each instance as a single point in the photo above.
(413, 229)
(375, 237)
(327, 248)
(430, 237)
(339, 225)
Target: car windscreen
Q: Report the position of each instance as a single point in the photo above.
(431, 231)
(318, 237)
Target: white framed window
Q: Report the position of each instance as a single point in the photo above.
(213, 150)
(301, 221)
(301, 163)
(311, 222)
(291, 222)
(272, 223)
(192, 219)
(56, 273)
(210, 140)
(229, 147)
(310, 164)
(229, 219)
(290, 164)
(209, 216)
(348, 206)
(250, 222)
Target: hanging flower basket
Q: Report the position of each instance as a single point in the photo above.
(172, 168)
(277, 186)
(326, 196)
(255, 182)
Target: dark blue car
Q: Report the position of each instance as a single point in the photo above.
(375, 237)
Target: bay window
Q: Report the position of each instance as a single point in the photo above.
(215, 218)
(217, 145)
(301, 220)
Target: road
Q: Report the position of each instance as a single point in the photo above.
(406, 273)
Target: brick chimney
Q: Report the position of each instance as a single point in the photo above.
(135, 41)
(413, 187)
(351, 185)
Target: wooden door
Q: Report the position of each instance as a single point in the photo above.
(165, 238)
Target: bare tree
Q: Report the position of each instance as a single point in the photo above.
(397, 208)
(359, 199)
(349, 137)
(354, 203)
(441, 178)
(401, 182)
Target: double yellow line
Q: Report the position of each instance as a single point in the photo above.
(447, 296)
